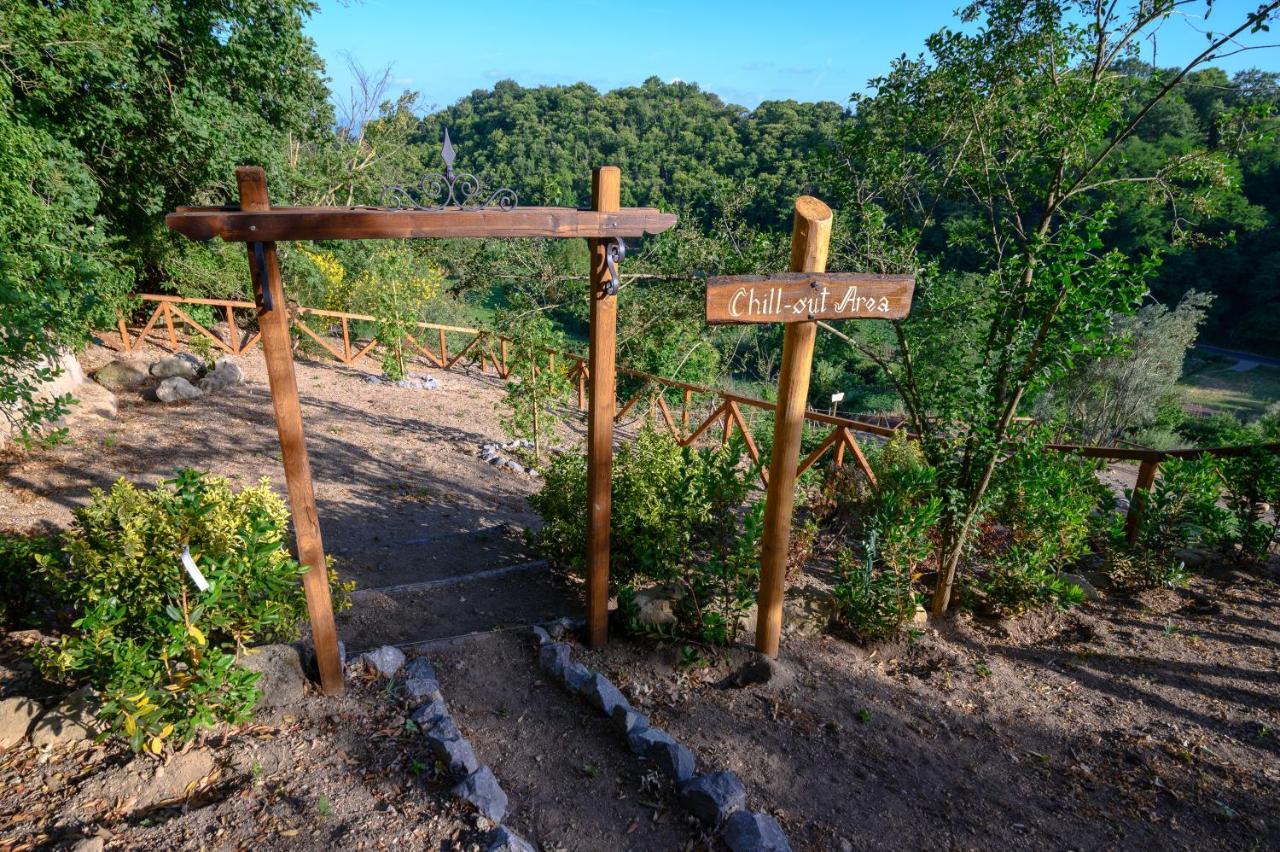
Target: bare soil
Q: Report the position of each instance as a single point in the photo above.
(1148, 721)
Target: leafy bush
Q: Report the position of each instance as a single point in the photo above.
(676, 519)
(874, 591)
(1042, 510)
(160, 652)
(22, 590)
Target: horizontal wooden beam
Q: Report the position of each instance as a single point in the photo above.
(361, 223)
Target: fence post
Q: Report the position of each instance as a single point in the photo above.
(606, 195)
(124, 336)
(810, 239)
(1138, 499)
(277, 346)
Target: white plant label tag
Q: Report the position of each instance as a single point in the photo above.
(190, 564)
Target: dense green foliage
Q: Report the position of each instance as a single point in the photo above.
(159, 651)
(676, 519)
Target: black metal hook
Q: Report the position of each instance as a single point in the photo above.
(614, 252)
(264, 282)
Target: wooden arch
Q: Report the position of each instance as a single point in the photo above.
(259, 225)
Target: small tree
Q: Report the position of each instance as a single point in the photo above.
(536, 384)
(981, 170)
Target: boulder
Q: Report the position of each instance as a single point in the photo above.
(176, 389)
(655, 606)
(386, 661)
(553, 658)
(671, 758)
(429, 715)
(482, 790)
(713, 798)
(71, 721)
(89, 844)
(541, 635)
(506, 840)
(17, 715)
(226, 373)
(626, 720)
(600, 693)
(120, 375)
(283, 682)
(420, 683)
(449, 747)
(1090, 593)
(575, 676)
(750, 832)
(182, 365)
(92, 401)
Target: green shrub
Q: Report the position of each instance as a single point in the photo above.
(676, 519)
(1042, 510)
(159, 651)
(874, 590)
(22, 589)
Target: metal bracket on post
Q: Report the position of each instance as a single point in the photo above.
(264, 281)
(614, 252)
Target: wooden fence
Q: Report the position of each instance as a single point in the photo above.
(726, 408)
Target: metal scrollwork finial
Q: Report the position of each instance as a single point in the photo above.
(443, 190)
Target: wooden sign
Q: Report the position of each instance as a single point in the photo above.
(801, 296)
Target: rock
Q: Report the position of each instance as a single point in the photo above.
(386, 661)
(506, 840)
(627, 719)
(92, 400)
(672, 758)
(1098, 579)
(71, 721)
(920, 618)
(808, 612)
(655, 606)
(761, 670)
(17, 715)
(283, 682)
(1090, 593)
(429, 715)
(553, 658)
(120, 375)
(420, 683)
(540, 634)
(226, 373)
(602, 694)
(89, 844)
(452, 749)
(563, 627)
(482, 790)
(575, 676)
(712, 798)
(182, 365)
(750, 832)
(176, 389)
(1191, 559)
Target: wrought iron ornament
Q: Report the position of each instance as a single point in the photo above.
(442, 190)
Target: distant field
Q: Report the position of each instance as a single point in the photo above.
(1219, 387)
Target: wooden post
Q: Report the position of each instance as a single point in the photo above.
(124, 336)
(606, 195)
(233, 333)
(1138, 500)
(168, 321)
(810, 239)
(277, 346)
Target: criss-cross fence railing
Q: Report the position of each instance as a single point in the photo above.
(701, 409)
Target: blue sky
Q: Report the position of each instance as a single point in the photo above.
(745, 51)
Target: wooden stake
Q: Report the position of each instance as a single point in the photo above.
(606, 195)
(233, 333)
(810, 239)
(1138, 500)
(278, 349)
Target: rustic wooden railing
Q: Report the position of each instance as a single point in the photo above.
(725, 407)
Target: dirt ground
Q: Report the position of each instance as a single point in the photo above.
(1132, 722)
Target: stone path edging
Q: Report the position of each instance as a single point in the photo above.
(718, 799)
(475, 782)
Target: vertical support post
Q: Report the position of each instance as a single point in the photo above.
(606, 195)
(124, 335)
(684, 410)
(273, 324)
(810, 239)
(168, 321)
(1138, 502)
(582, 387)
(346, 341)
(233, 333)
(444, 350)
